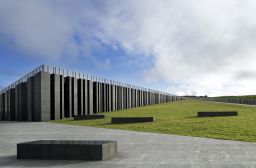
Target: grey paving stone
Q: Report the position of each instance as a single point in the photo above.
(135, 149)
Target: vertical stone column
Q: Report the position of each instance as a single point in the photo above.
(146, 98)
(104, 94)
(108, 97)
(151, 97)
(136, 97)
(103, 98)
(31, 98)
(74, 96)
(127, 97)
(90, 97)
(124, 97)
(55, 96)
(5, 106)
(155, 98)
(100, 97)
(62, 97)
(95, 97)
(80, 90)
(8, 106)
(23, 110)
(118, 97)
(12, 104)
(143, 98)
(85, 97)
(113, 97)
(2, 106)
(121, 97)
(68, 97)
(42, 101)
(139, 97)
(130, 97)
(17, 88)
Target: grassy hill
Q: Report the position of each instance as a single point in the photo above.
(179, 118)
(238, 97)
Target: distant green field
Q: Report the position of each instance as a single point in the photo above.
(238, 97)
(180, 118)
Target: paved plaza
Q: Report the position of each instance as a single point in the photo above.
(135, 149)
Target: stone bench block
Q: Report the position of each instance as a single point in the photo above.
(119, 120)
(217, 114)
(67, 150)
(88, 117)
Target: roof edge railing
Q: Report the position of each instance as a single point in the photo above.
(23, 79)
(65, 72)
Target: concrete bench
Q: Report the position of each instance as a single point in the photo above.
(119, 120)
(217, 113)
(88, 117)
(67, 150)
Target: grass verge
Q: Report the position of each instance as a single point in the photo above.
(179, 118)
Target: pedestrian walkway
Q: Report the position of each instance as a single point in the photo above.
(135, 149)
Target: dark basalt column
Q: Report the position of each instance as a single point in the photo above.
(62, 112)
(90, 97)
(22, 103)
(74, 97)
(31, 98)
(85, 97)
(95, 97)
(5, 106)
(42, 101)
(80, 94)
(55, 97)
(17, 97)
(113, 97)
(68, 97)
(12, 105)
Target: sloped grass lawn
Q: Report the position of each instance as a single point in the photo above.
(180, 118)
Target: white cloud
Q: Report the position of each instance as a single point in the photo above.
(198, 47)
(34, 27)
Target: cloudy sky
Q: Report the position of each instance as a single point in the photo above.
(201, 47)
